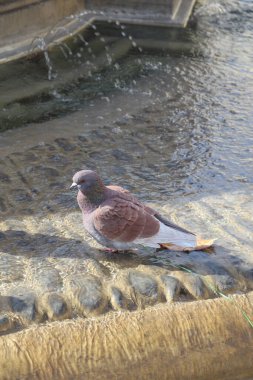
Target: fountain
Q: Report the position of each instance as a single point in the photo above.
(23, 21)
(162, 112)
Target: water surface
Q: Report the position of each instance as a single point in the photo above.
(176, 131)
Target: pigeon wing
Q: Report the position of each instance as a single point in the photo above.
(122, 220)
(166, 221)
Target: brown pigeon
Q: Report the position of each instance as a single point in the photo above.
(119, 221)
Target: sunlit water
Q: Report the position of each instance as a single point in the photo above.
(174, 129)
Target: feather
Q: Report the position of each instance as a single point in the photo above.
(168, 235)
(171, 224)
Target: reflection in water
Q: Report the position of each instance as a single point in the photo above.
(174, 129)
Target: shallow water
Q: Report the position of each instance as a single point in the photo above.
(178, 133)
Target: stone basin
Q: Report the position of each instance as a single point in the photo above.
(188, 341)
(50, 269)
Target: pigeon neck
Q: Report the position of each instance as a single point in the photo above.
(91, 198)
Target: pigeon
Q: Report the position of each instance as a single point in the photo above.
(119, 221)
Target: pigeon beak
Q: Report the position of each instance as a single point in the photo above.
(73, 186)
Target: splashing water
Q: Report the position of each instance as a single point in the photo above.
(41, 44)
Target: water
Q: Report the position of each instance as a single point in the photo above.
(176, 129)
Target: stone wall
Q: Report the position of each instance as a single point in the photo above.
(168, 6)
(21, 17)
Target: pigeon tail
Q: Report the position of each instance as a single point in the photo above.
(169, 235)
(171, 224)
(175, 239)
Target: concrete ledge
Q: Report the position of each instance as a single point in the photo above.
(202, 340)
(22, 22)
(21, 17)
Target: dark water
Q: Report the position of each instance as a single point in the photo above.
(176, 129)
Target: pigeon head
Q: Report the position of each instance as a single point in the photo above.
(89, 183)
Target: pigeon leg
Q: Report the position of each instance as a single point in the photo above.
(109, 250)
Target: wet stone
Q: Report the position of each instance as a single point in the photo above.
(4, 177)
(248, 275)
(96, 154)
(42, 147)
(87, 294)
(21, 196)
(101, 135)
(41, 170)
(2, 236)
(222, 282)
(49, 279)
(118, 301)
(124, 120)
(55, 306)
(56, 185)
(65, 144)
(70, 254)
(121, 155)
(5, 323)
(28, 244)
(119, 171)
(62, 251)
(11, 268)
(199, 262)
(171, 287)
(4, 304)
(83, 139)
(3, 206)
(14, 234)
(192, 284)
(26, 211)
(22, 301)
(59, 160)
(35, 191)
(214, 268)
(44, 274)
(30, 156)
(143, 284)
(214, 273)
(64, 199)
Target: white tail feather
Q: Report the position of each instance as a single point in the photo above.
(168, 235)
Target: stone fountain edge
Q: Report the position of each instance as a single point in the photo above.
(207, 339)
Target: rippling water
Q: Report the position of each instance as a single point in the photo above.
(177, 132)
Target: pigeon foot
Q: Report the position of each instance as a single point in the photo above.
(109, 250)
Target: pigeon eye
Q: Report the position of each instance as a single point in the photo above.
(82, 181)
